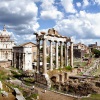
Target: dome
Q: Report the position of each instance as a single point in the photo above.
(4, 32)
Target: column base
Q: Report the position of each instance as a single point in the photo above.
(47, 79)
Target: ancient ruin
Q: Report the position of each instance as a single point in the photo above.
(54, 38)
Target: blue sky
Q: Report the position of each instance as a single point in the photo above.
(78, 19)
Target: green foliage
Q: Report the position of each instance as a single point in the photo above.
(48, 59)
(68, 67)
(86, 55)
(34, 96)
(54, 61)
(96, 52)
(59, 68)
(92, 97)
(3, 75)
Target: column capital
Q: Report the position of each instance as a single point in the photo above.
(71, 42)
(56, 41)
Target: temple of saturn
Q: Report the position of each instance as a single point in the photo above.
(42, 76)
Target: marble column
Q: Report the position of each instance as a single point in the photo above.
(71, 54)
(56, 55)
(44, 57)
(51, 59)
(61, 55)
(66, 54)
(38, 55)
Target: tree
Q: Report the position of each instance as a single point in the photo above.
(96, 52)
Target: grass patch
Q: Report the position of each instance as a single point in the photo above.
(92, 97)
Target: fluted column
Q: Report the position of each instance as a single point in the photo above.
(71, 54)
(61, 57)
(44, 57)
(56, 55)
(38, 55)
(51, 66)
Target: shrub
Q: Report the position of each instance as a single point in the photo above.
(68, 67)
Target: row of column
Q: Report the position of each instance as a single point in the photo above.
(56, 55)
(15, 60)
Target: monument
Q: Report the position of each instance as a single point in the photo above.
(52, 36)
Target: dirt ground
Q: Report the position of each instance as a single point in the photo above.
(49, 95)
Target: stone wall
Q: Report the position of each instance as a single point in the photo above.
(5, 64)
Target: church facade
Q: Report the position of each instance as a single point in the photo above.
(6, 45)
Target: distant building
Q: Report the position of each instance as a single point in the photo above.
(94, 46)
(6, 45)
(24, 55)
(79, 50)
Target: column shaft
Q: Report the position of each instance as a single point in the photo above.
(61, 57)
(19, 61)
(56, 55)
(51, 65)
(38, 56)
(23, 61)
(71, 54)
(44, 57)
(15, 60)
(66, 54)
(12, 59)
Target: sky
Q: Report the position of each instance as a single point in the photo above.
(78, 19)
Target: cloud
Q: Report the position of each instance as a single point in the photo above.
(85, 3)
(82, 26)
(68, 6)
(49, 11)
(85, 41)
(78, 4)
(97, 1)
(20, 17)
(18, 14)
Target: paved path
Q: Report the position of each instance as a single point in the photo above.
(49, 95)
(93, 67)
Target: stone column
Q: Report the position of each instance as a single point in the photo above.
(38, 55)
(23, 61)
(61, 55)
(66, 54)
(44, 57)
(19, 61)
(51, 65)
(71, 54)
(14, 59)
(56, 55)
